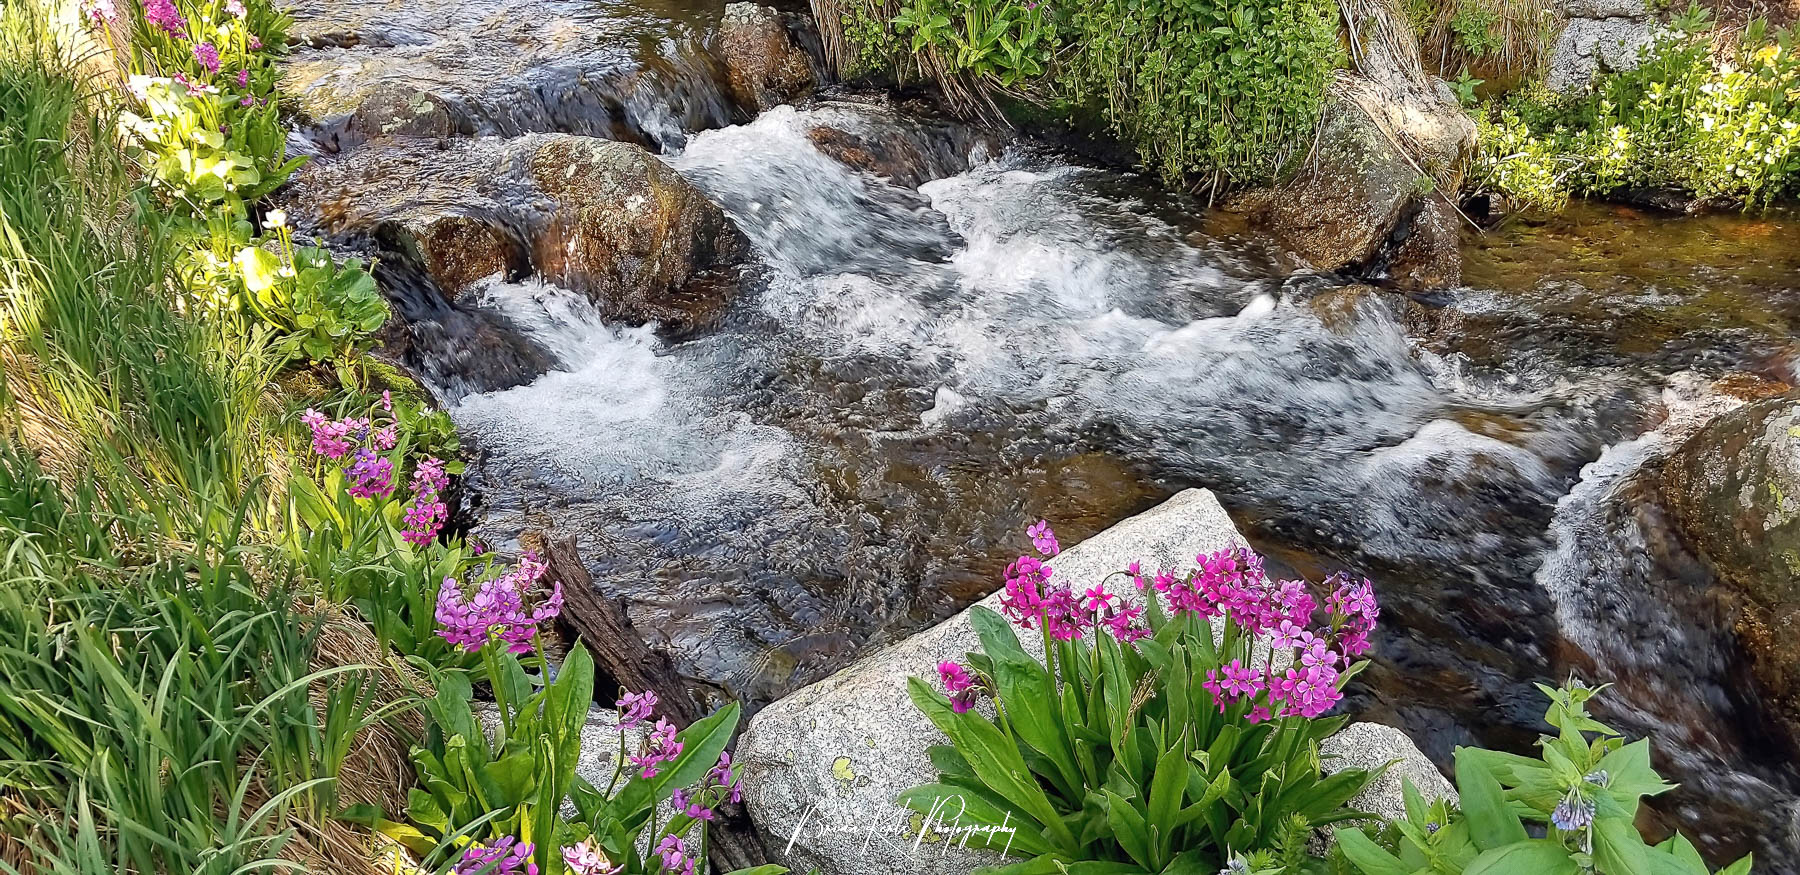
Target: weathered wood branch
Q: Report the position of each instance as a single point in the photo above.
(619, 653)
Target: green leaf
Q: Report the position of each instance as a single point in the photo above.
(1368, 856)
(1528, 857)
(1619, 848)
(1167, 788)
(1128, 827)
(1491, 824)
(994, 758)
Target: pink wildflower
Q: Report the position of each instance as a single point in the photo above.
(1044, 539)
(207, 56)
(497, 606)
(635, 708)
(661, 747)
(163, 14)
(509, 856)
(587, 858)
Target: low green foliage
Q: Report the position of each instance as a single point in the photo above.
(1722, 128)
(1582, 797)
(154, 711)
(1114, 758)
(1224, 91)
(211, 142)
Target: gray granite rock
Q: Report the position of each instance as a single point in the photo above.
(1371, 746)
(821, 767)
(1591, 46)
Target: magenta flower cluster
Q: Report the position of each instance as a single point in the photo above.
(673, 854)
(1229, 584)
(207, 57)
(962, 688)
(508, 856)
(503, 606)
(716, 788)
(163, 14)
(660, 747)
(426, 513)
(1032, 601)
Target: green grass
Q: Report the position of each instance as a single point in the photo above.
(154, 670)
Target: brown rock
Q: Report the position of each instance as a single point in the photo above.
(596, 216)
(632, 234)
(1425, 248)
(765, 67)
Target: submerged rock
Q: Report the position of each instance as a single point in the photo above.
(822, 766)
(629, 70)
(597, 216)
(1393, 142)
(1734, 488)
(765, 66)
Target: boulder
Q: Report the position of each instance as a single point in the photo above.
(597, 216)
(1599, 36)
(1734, 489)
(1392, 144)
(631, 233)
(765, 66)
(1371, 746)
(822, 766)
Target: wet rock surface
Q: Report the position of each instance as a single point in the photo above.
(1735, 490)
(765, 63)
(634, 71)
(598, 216)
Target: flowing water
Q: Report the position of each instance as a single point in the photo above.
(910, 376)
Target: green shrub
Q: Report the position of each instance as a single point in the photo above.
(1582, 796)
(1724, 128)
(1226, 92)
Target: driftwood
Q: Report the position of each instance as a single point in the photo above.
(601, 623)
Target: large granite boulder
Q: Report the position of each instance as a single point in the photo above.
(765, 66)
(1598, 36)
(822, 766)
(597, 216)
(1392, 146)
(1734, 488)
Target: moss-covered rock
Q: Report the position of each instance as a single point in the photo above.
(1734, 488)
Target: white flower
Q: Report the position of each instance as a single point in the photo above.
(275, 219)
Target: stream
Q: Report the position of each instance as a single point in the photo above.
(910, 376)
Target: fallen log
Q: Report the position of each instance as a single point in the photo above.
(619, 653)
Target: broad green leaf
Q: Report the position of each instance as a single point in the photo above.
(1491, 823)
(994, 758)
(1528, 857)
(1368, 856)
(1129, 827)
